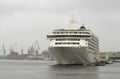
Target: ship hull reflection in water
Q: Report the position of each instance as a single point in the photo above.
(29, 69)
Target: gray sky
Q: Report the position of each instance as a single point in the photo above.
(24, 21)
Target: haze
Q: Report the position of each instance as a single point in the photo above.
(24, 21)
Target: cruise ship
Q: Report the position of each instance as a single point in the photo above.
(74, 45)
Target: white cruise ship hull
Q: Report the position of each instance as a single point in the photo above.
(72, 55)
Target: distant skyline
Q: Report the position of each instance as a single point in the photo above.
(24, 21)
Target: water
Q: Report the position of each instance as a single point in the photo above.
(28, 69)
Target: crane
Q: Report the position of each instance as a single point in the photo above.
(34, 49)
(4, 50)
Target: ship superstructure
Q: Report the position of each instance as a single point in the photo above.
(74, 45)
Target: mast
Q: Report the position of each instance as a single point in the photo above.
(72, 23)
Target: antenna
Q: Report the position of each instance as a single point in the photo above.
(73, 20)
(83, 24)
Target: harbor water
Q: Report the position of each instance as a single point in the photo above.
(29, 69)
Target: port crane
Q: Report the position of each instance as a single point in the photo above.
(34, 49)
(4, 50)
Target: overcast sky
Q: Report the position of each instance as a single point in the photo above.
(24, 21)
